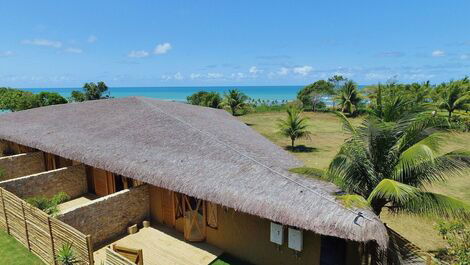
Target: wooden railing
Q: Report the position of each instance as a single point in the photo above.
(41, 234)
(114, 258)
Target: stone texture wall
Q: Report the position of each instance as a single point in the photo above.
(21, 165)
(108, 217)
(71, 180)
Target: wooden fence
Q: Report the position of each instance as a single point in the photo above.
(41, 234)
(114, 258)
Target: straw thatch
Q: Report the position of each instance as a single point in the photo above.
(201, 152)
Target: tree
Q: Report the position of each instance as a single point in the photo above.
(387, 165)
(312, 95)
(91, 91)
(204, 98)
(234, 100)
(17, 100)
(294, 126)
(349, 97)
(453, 96)
(337, 81)
(457, 235)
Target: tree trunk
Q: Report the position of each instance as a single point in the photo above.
(450, 114)
(292, 143)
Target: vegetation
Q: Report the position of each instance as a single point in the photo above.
(49, 206)
(91, 91)
(388, 164)
(457, 235)
(349, 98)
(294, 126)
(312, 95)
(12, 252)
(66, 255)
(226, 259)
(206, 99)
(16, 100)
(454, 96)
(234, 100)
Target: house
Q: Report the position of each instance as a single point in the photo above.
(200, 172)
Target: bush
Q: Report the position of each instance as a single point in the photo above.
(16, 100)
(66, 255)
(457, 235)
(49, 206)
(206, 99)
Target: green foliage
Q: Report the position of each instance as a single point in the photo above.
(454, 95)
(234, 100)
(390, 163)
(66, 255)
(206, 99)
(49, 206)
(311, 95)
(349, 98)
(309, 172)
(91, 91)
(294, 126)
(17, 100)
(457, 235)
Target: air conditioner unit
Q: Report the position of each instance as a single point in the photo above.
(277, 233)
(295, 239)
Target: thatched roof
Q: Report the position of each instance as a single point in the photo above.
(202, 152)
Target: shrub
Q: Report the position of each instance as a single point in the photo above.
(457, 235)
(49, 206)
(66, 255)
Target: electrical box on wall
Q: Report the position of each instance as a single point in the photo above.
(277, 233)
(295, 239)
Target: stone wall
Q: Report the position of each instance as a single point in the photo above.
(21, 165)
(108, 217)
(71, 180)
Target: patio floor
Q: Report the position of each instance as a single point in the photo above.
(88, 197)
(164, 246)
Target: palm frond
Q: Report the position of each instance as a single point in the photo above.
(435, 205)
(347, 125)
(392, 191)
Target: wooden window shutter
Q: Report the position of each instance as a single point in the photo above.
(212, 214)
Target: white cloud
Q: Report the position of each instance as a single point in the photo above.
(162, 48)
(254, 70)
(43, 42)
(74, 50)
(178, 76)
(194, 76)
(303, 70)
(214, 75)
(238, 75)
(138, 54)
(92, 39)
(438, 53)
(6, 53)
(283, 71)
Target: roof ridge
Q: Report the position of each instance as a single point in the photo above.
(358, 213)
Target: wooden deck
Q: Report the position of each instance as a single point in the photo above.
(165, 246)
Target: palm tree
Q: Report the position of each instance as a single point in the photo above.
(349, 97)
(295, 126)
(388, 165)
(234, 100)
(453, 97)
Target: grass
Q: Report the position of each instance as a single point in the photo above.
(12, 252)
(326, 139)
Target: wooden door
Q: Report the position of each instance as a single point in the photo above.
(103, 182)
(49, 162)
(168, 208)
(194, 219)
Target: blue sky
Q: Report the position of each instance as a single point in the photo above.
(227, 42)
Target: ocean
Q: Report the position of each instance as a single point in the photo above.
(271, 93)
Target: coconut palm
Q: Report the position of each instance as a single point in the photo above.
(234, 100)
(349, 97)
(294, 126)
(390, 164)
(453, 97)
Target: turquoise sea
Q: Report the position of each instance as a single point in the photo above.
(180, 93)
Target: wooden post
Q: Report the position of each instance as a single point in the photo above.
(90, 249)
(25, 227)
(54, 261)
(4, 211)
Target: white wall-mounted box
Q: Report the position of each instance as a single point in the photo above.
(277, 233)
(295, 239)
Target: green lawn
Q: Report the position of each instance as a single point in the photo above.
(226, 259)
(13, 253)
(326, 138)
